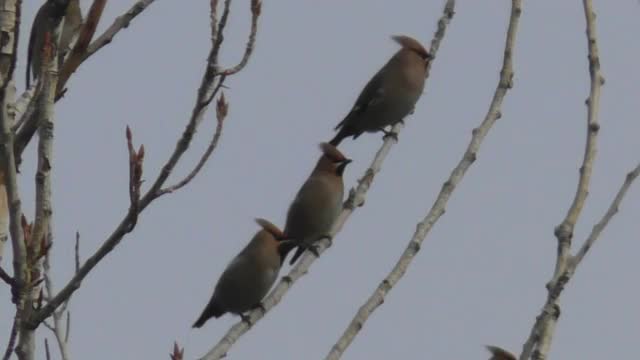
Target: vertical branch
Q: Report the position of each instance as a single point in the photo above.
(58, 329)
(437, 210)
(539, 342)
(9, 21)
(43, 208)
(9, 26)
(12, 338)
(120, 23)
(4, 216)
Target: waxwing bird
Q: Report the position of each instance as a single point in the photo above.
(391, 94)
(44, 23)
(318, 202)
(499, 353)
(250, 275)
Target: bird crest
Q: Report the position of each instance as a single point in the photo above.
(270, 228)
(332, 152)
(411, 44)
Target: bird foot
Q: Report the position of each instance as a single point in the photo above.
(389, 134)
(314, 250)
(246, 318)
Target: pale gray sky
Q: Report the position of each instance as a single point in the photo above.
(480, 276)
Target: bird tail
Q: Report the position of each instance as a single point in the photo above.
(298, 253)
(284, 247)
(499, 353)
(213, 309)
(343, 131)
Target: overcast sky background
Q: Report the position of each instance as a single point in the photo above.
(480, 276)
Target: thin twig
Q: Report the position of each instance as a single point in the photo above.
(77, 252)
(46, 349)
(256, 8)
(539, 341)
(178, 353)
(438, 209)
(120, 23)
(136, 159)
(57, 327)
(222, 108)
(7, 278)
(602, 224)
(12, 338)
(67, 327)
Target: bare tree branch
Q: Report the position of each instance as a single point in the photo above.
(43, 210)
(206, 92)
(222, 108)
(120, 23)
(438, 209)
(602, 224)
(7, 278)
(178, 353)
(80, 52)
(256, 8)
(46, 349)
(539, 342)
(57, 328)
(10, 11)
(4, 216)
(76, 56)
(12, 338)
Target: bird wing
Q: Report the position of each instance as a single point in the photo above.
(372, 93)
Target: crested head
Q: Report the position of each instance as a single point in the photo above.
(412, 44)
(332, 160)
(332, 152)
(270, 228)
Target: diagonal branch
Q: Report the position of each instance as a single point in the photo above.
(539, 341)
(222, 107)
(77, 55)
(120, 23)
(356, 199)
(602, 224)
(438, 209)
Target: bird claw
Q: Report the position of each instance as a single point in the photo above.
(313, 249)
(246, 318)
(389, 134)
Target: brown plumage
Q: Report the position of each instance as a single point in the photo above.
(499, 353)
(250, 275)
(318, 202)
(390, 95)
(45, 21)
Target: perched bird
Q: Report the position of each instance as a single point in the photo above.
(250, 275)
(319, 201)
(390, 95)
(45, 22)
(499, 353)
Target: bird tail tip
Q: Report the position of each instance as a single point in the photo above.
(295, 257)
(212, 310)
